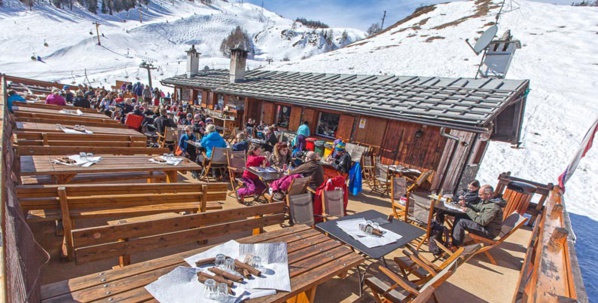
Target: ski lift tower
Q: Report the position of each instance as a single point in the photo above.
(497, 54)
(147, 63)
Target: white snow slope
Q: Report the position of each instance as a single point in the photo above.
(559, 55)
(168, 29)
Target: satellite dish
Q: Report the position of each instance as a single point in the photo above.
(484, 40)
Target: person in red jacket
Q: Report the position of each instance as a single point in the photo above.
(253, 184)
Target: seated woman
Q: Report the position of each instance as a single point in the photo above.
(280, 157)
(240, 143)
(469, 195)
(270, 138)
(189, 150)
(253, 184)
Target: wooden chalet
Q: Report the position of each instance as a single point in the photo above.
(426, 123)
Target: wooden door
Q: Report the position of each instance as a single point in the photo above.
(311, 116)
(370, 131)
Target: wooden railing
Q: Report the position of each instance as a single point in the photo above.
(3, 119)
(551, 271)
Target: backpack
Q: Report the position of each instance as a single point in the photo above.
(439, 233)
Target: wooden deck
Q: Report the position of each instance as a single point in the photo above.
(473, 282)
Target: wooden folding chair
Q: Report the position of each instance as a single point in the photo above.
(405, 291)
(301, 209)
(332, 204)
(381, 179)
(398, 209)
(218, 161)
(518, 196)
(414, 263)
(398, 189)
(511, 224)
(367, 166)
(169, 138)
(236, 165)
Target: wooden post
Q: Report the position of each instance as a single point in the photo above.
(556, 212)
(558, 239)
(98, 32)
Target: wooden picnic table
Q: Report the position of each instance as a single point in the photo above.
(52, 128)
(62, 174)
(313, 259)
(35, 110)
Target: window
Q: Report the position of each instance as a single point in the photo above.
(283, 116)
(199, 97)
(220, 104)
(327, 124)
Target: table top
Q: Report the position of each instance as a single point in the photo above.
(406, 230)
(313, 259)
(57, 112)
(53, 128)
(266, 176)
(43, 165)
(439, 205)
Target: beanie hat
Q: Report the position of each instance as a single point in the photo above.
(65, 87)
(340, 146)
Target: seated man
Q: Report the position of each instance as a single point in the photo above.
(163, 121)
(342, 160)
(485, 218)
(311, 168)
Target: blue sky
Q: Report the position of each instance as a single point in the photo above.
(358, 14)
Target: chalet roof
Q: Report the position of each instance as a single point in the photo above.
(461, 103)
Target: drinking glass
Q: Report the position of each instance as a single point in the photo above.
(256, 262)
(229, 264)
(210, 291)
(83, 156)
(222, 292)
(219, 260)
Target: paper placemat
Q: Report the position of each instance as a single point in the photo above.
(169, 160)
(351, 227)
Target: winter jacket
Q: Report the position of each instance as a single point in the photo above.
(342, 163)
(14, 98)
(331, 184)
(183, 142)
(138, 89)
(210, 141)
(311, 169)
(487, 214)
(146, 93)
(279, 162)
(81, 102)
(470, 197)
(55, 100)
(241, 146)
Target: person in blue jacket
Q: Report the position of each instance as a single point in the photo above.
(13, 97)
(212, 139)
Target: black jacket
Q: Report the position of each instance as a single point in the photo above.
(81, 102)
(162, 122)
(342, 163)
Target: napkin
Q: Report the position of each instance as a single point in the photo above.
(351, 227)
(169, 160)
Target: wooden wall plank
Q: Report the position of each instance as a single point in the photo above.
(311, 116)
(268, 112)
(373, 132)
(345, 127)
(295, 121)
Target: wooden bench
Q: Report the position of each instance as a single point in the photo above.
(151, 177)
(71, 202)
(104, 242)
(62, 139)
(52, 106)
(98, 150)
(56, 120)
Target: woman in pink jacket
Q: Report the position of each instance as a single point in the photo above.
(253, 184)
(55, 98)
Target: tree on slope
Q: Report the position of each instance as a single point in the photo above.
(373, 29)
(237, 38)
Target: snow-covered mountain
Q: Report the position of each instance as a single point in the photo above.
(66, 40)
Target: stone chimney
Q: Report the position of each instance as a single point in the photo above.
(238, 60)
(192, 62)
